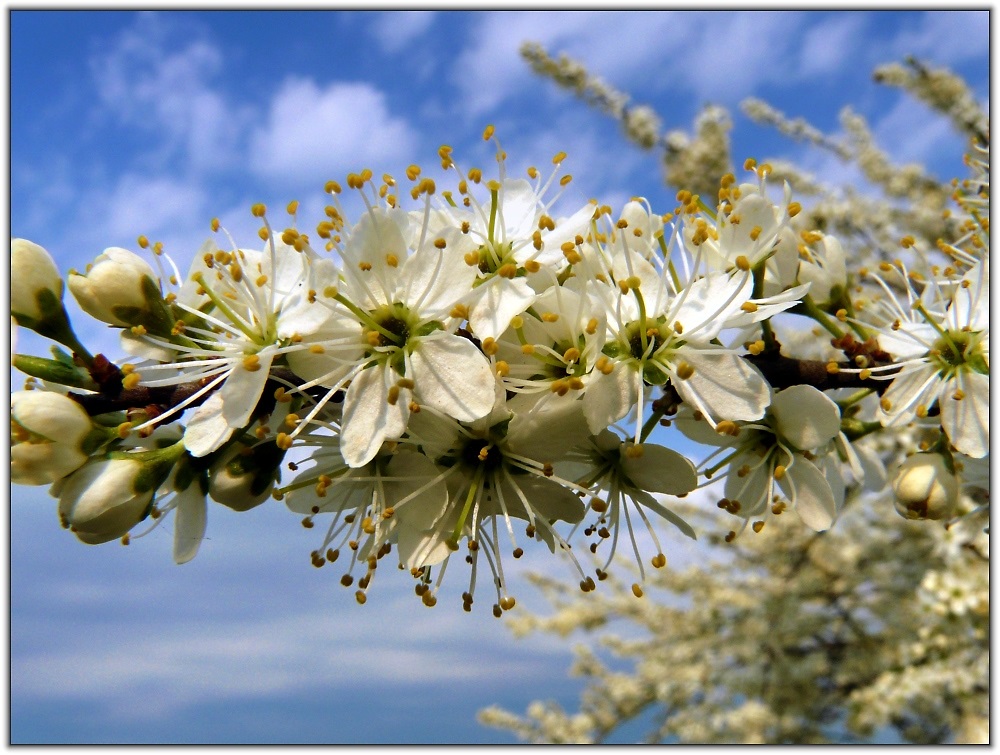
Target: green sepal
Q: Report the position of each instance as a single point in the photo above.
(54, 371)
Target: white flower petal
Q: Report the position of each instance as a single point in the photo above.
(190, 517)
(498, 301)
(369, 418)
(243, 388)
(437, 279)
(549, 429)
(608, 398)
(452, 375)
(805, 417)
(753, 490)
(810, 493)
(660, 470)
(207, 429)
(967, 420)
(725, 385)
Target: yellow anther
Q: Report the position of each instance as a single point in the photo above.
(832, 368)
(659, 561)
(365, 266)
(517, 322)
(634, 451)
(490, 346)
(215, 225)
(749, 164)
(684, 371)
(263, 233)
(794, 209)
(748, 306)
(727, 427)
(755, 232)
(472, 259)
(332, 187)
(502, 368)
(842, 315)
(460, 311)
(907, 241)
(558, 158)
(508, 271)
(251, 363)
(532, 266)
(742, 262)
(549, 317)
(391, 260)
(779, 472)
(488, 132)
(143, 242)
(138, 330)
(592, 324)
(527, 349)
(636, 590)
(131, 381)
(258, 210)
(565, 180)
(758, 525)
(576, 384)
(124, 429)
(317, 348)
(571, 354)
(393, 395)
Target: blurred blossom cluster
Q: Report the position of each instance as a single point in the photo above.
(875, 627)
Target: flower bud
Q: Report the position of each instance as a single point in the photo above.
(37, 291)
(47, 435)
(243, 480)
(925, 488)
(104, 500)
(119, 288)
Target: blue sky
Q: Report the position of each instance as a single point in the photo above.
(126, 123)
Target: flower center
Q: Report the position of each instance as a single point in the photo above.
(481, 453)
(956, 349)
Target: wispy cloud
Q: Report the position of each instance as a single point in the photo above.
(945, 37)
(396, 29)
(314, 132)
(157, 80)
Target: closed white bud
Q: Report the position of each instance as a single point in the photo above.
(925, 488)
(240, 482)
(114, 289)
(47, 434)
(101, 501)
(36, 290)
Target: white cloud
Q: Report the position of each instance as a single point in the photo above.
(151, 206)
(828, 45)
(314, 133)
(945, 37)
(714, 55)
(394, 30)
(152, 82)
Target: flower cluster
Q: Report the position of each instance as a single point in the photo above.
(443, 377)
